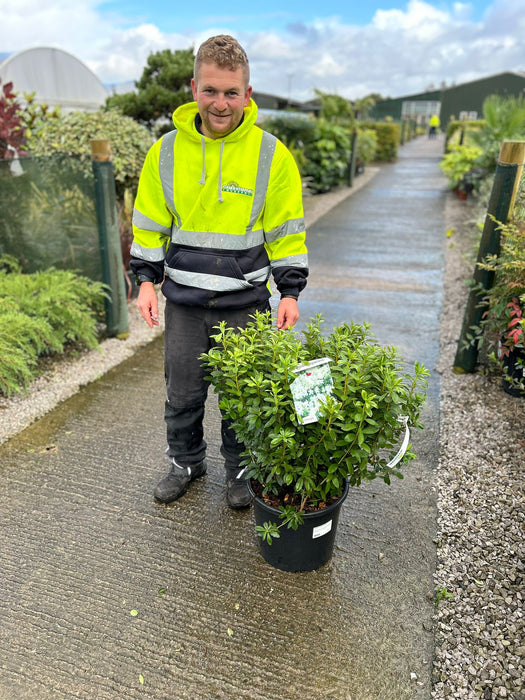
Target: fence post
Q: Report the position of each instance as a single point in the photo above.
(402, 132)
(109, 239)
(353, 156)
(504, 189)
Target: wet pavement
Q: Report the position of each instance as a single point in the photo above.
(106, 594)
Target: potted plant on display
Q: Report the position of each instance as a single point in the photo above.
(503, 323)
(458, 166)
(317, 415)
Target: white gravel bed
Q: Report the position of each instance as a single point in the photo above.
(480, 641)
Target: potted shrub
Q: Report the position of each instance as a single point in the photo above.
(503, 323)
(299, 470)
(458, 165)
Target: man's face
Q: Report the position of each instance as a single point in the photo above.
(221, 95)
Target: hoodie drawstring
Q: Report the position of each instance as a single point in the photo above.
(220, 173)
(203, 174)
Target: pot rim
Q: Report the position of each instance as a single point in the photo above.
(306, 516)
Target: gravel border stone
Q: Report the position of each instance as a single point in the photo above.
(480, 641)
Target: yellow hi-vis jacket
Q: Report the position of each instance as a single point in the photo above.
(214, 218)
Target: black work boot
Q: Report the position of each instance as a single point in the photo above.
(176, 483)
(237, 493)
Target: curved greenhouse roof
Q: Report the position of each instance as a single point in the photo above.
(56, 77)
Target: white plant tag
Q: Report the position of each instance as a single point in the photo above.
(321, 530)
(313, 384)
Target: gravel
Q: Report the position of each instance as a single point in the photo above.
(480, 641)
(479, 620)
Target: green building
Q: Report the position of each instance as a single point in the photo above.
(463, 101)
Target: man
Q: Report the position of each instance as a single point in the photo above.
(433, 126)
(218, 209)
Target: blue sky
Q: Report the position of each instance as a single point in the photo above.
(348, 47)
(266, 15)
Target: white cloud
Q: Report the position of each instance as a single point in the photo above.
(421, 20)
(401, 51)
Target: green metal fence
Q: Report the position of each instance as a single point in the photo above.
(60, 211)
(48, 214)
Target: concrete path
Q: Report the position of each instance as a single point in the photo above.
(106, 594)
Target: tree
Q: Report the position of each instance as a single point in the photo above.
(164, 86)
(364, 105)
(335, 108)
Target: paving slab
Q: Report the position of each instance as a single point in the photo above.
(107, 594)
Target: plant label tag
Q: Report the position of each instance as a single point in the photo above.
(313, 384)
(321, 530)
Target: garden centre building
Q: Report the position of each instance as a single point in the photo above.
(463, 101)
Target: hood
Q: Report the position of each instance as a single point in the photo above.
(184, 120)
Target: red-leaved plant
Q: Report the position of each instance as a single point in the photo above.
(12, 132)
(514, 336)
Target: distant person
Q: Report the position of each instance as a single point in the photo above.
(433, 126)
(218, 210)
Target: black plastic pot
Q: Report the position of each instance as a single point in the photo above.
(514, 365)
(304, 549)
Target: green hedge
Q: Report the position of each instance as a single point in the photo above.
(454, 128)
(388, 135)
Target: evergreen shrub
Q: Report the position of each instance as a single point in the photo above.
(42, 314)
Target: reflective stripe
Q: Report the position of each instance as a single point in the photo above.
(142, 221)
(147, 254)
(291, 261)
(224, 241)
(261, 275)
(288, 228)
(167, 170)
(266, 151)
(215, 283)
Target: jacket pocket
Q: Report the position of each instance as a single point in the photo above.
(206, 269)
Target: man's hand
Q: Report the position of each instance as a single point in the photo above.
(147, 304)
(287, 313)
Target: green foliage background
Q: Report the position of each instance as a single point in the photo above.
(71, 134)
(163, 86)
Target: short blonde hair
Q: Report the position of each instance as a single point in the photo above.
(225, 52)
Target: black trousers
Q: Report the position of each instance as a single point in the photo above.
(186, 337)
